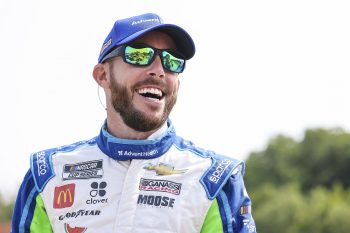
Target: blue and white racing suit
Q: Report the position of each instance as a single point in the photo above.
(164, 184)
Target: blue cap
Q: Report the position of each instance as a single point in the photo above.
(129, 29)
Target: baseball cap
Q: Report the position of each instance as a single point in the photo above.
(129, 29)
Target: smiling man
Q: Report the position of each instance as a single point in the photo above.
(140, 86)
(137, 175)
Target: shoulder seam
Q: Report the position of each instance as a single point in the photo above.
(216, 176)
(41, 162)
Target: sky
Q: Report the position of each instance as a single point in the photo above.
(261, 68)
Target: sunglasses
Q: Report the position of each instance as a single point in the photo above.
(144, 55)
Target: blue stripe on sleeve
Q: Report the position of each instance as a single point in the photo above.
(27, 211)
(25, 205)
(225, 210)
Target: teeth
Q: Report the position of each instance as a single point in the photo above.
(153, 91)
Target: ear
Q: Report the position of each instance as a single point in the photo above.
(99, 74)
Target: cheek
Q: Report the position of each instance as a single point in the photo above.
(175, 85)
(119, 77)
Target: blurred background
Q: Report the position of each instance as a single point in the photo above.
(269, 84)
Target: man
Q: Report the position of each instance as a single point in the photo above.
(137, 175)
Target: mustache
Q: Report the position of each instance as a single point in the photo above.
(153, 81)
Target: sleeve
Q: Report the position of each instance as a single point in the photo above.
(29, 214)
(230, 212)
(213, 221)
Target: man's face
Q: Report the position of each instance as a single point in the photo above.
(144, 96)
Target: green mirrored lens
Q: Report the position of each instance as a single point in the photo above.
(172, 63)
(138, 56)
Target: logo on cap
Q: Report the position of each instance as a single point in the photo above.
(144, 21)
(105, 45)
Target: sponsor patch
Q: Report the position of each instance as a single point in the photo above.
(84, 170)
(69, 229)
(97, 192)
(42, 163)
(141, 21)
(64, 196)
(105, 45)
(79, 213)
(98, 189)
(156, 201)
(132, 154)
(160, 186)
(163, 169)
(250, 225)
(219, 170)
(245, 209)
(41, 167)
(218, 173)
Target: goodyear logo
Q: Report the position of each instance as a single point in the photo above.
(79, 213)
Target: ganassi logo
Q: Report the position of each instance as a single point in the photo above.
(160, 186)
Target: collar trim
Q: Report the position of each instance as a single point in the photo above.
(125, 149)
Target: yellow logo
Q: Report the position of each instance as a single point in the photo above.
(64, 196)
(163, 169)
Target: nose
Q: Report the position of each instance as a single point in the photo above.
(156, 68)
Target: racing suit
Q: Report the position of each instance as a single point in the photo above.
(163, 184)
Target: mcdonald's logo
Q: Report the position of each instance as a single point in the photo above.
(64, 196)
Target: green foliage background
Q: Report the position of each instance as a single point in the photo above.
(296, 186)
(6, 209)
(302, 187)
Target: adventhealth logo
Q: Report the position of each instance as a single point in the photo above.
(134, 154)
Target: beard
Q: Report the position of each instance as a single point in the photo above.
(135, 119)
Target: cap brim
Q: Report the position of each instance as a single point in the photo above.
(183, 40)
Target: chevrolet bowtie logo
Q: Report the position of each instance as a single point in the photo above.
(163, 169)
